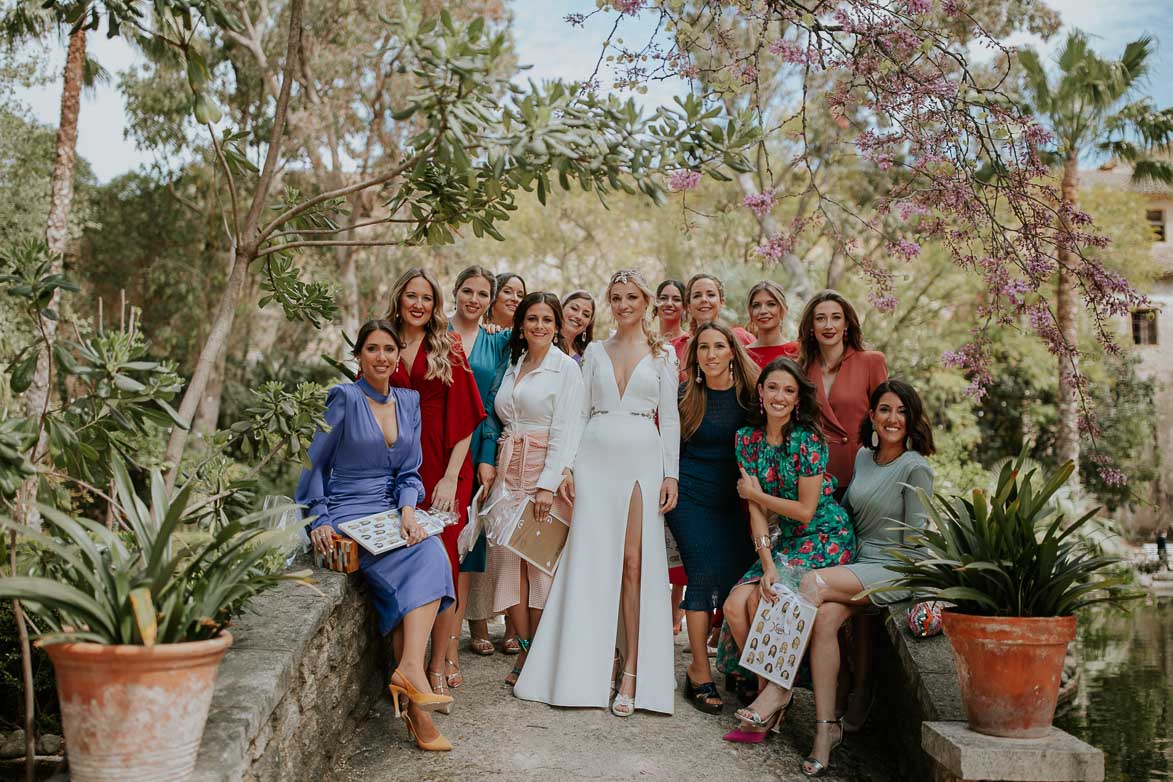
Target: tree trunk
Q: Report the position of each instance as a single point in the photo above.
(348, 268)
(217, 341)
(57, 239)
(208, 413)
(1067, 315)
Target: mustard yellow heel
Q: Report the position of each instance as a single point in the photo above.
(438, 744)
(424, 701)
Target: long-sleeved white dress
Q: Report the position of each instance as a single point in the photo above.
(620, 447)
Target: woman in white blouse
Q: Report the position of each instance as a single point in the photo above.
(614, 569)
(538, 403)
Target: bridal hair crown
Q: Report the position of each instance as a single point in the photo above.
(627, 275)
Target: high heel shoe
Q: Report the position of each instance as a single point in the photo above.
(816, 767)
(772, 724)
(438, 744)
(623, 705)
(424, 701)
(456, 678)
(439, 684)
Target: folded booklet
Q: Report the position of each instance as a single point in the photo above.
(778, 636)
(380, 532)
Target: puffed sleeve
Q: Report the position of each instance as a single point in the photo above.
(408, 488)
(311, 487)
(669, 414)
(915, 512)
(463, 410)
(743, 447)
(813, 455)
(564, 428)
(490, 430)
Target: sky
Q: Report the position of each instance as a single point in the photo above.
(557, 50)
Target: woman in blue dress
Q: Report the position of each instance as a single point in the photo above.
(474, 293)
(368, 462)
(709, 522)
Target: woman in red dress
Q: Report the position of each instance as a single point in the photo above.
(766, 303)
(844, 374)
(433, 363)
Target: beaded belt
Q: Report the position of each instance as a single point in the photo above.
(649, 415)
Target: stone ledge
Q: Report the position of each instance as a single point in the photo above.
(929, 667)
(264, 722)
(965, 755)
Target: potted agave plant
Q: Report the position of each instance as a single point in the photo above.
(1016, 570)
(133, 619)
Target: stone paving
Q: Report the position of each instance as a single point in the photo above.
(498, 737)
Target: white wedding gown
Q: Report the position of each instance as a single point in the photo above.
(570, 661)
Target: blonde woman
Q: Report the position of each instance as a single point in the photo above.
(433, 363)
(623, 481)
(766, 304)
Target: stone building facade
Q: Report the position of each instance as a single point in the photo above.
(1149, 332)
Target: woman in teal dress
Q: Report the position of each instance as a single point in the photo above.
(488, 351)
(783, 480)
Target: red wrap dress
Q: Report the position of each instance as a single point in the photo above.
(449, 413)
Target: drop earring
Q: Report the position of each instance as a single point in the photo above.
(908, 443)
(875, 439)
(699, 378)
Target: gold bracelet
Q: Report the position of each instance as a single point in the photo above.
(761, 542)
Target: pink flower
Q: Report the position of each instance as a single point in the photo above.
(759, 203)
(845, 558)
(916, 7)
(806, 547)
(792, 52)
(630, 7)
(883, 303)
(683, 179)
(833, 548)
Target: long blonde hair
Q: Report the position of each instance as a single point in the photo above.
(696, 393)
(437, 338)
(636, 278)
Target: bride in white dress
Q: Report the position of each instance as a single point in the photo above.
(609, 593)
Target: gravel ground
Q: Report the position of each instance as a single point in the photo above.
(497, 736)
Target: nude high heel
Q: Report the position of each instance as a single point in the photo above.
(425, 701)
(438, 744)
(439, 684)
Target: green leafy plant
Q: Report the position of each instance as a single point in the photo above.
(149, 580)
(1012, 554)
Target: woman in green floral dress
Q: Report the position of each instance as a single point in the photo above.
(782, 462)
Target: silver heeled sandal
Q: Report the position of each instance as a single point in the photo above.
(623, 705)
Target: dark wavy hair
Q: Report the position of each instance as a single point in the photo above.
(806, 412)
(678, 285)
(517, 344)
(808, 343)
(369, 328)
(502, 278)
(588, 334)
(916, 423)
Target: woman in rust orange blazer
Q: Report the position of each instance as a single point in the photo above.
(844, 374)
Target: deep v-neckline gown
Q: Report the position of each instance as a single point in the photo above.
(620, 447)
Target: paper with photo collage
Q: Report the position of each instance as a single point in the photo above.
(778, 637)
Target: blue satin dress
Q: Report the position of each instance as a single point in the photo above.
(354, 473)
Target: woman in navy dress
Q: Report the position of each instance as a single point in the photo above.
(709, 521)
(369, 462)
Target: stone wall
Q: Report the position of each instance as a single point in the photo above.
(305, 667)
(918, 681)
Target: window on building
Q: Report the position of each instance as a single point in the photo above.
(1156, 218)
(1144, 327)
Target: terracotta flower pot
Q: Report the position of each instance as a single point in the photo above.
(1009, 670)
(132, 712)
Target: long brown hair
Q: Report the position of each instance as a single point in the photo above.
(437, 338)
(808, 343)
(694, 399)
(588, 334)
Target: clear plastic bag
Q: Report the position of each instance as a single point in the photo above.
(288, 518)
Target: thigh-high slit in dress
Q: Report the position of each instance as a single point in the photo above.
(620, 450)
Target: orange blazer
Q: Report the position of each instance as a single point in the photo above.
(859, 374)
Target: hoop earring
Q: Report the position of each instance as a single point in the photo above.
(875, 439)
